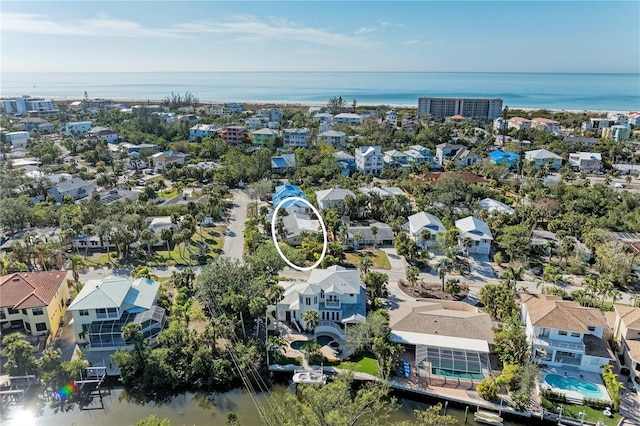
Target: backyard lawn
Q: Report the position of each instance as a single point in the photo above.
(363, 363)
(592, 414)
(378, 257)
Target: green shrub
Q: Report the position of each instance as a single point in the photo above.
(488, 388)
(596, 403)
(554, 396)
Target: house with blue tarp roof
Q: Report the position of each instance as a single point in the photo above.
(287, 191)
(508, 158)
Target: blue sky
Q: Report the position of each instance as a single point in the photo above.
(477, 36)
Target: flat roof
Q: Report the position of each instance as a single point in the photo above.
(440, 341)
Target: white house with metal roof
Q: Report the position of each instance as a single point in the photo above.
(333, 137)
(104, 306)
(495, 206)
(419, 223)
(542, 157)
(336, 293)
(478, 232)
(332, 198)
(75, 187)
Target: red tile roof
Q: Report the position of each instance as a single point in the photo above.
(26, 290)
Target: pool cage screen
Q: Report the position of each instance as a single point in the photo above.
(453, 362)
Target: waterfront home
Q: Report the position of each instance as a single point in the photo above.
(376, 233)
(75, 187)
(336, 293)
(626, 331)
(588, 162)
(293, 138)
(40, 125)
(333, 137)
(287, 191)
(346, 161)
(295, 224)
(283, 162)
(161, 159)
(369, 159)
(543, 157)
(264, 137)
(446, 151)
(18, 140)
(33, 302)
(421, 223)
(203, 131)
(509, 158)
(234, 135)
(494, 206)
(479, 233)
(102, 133)
(617, 132)
(447, 338)
(77, 128)
(545, 125)
(332, 198)
(347, 118)
(564, 333)
(103, 307)
(519, 123)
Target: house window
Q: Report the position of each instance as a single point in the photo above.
(41, 326)
(84, 312)
(24, 312)
(307, 301)
(562, 333)
(37, 311)
(315, 300)
(575, 334)
(13, 311)
(591, 328)
(112, 312)
(27, 327)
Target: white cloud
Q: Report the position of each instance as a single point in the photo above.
(417, 42)
(242, 28)
(365, 30)
(385, 24)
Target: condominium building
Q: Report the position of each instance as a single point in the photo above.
(295, 137)
(26, 105)
(467, 107)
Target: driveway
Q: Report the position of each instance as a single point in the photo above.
(234, 239)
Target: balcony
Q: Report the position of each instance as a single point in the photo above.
(558, 344)
(332, 303)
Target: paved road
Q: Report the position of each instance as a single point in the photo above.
(234, 239)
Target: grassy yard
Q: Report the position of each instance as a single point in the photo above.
(363, 363)
(592, 414)
(168, 194)
(378, 257)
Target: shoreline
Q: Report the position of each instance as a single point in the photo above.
(311, 104)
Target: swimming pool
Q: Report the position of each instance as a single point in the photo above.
(588, 389)
(322, 340)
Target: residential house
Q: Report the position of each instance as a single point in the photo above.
(333, 137)
(336, 293)
(446, 151)
(387, 191)
(617, 132)
(597, 124)
(273, 115)
(626, 331)
(296, 137)
(91, 242)
(103, 307)
(542, 157)
(564, 333)
(421, 223)
(40, 125)
(588, 162)
(494, 206)
(396, 158)
(347, 118)
(161, 159)
(102, 133)
(509, 158)
(618, 117)
(283, 162)
(500, 124)
(391, 117)
(322, 117)
(376, 233)
(157, 224)
(264, 137)
(369, 159)
(415, 156)
(232, 108)
(77, 128)
(465, 158)
(18, 140)
(203, 131)
(447, 338)
(519, 123)
(478, 232)
(347, 162)
(33, 302)
(332, 198)
(287, 191)
(546, 125)
(255, 122)
(75, 187)
(295, 224)
(234, 135)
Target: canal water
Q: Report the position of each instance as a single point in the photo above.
(186, 409)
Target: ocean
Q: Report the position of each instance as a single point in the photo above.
(612, 92)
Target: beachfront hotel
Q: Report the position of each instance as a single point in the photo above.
(467, 107)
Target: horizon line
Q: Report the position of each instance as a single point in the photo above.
(326, 72)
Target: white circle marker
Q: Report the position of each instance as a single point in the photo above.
(275, 240)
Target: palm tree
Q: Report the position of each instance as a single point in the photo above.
(412, 276)
(166, 234)
(357, 238)
(513, 274)
(76, 263)
(374, 232)
(274, 293)
(365, 264)
(443, 266)
(311, 319)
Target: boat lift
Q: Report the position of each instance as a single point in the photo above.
(94, 375)
(13, 392)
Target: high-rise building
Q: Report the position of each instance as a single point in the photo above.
(467, 107)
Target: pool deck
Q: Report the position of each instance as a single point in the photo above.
(576, 374)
